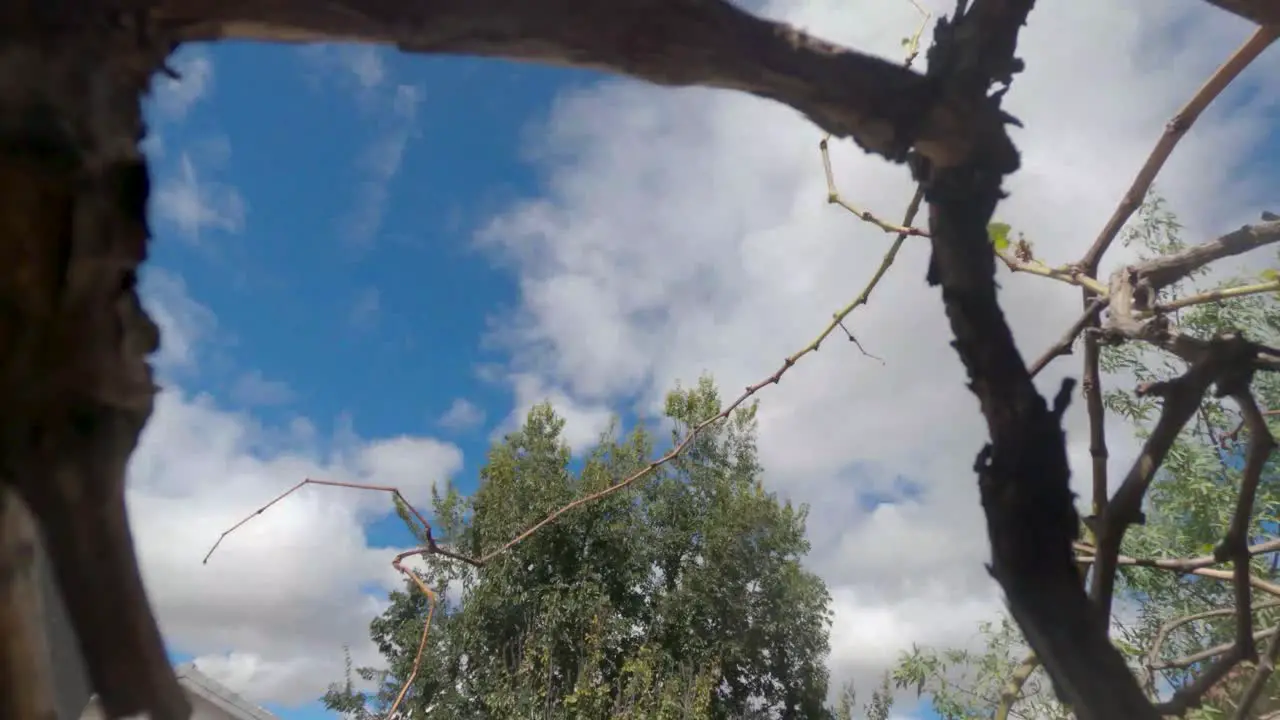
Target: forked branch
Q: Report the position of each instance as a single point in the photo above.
(423, 530)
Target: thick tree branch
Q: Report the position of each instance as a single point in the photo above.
(886, 108)
(1165, 270)
(1023, 473)
(1262, 12)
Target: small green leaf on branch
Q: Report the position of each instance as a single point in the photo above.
(999, 234)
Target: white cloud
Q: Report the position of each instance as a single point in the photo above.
(173, 98)
(411, 464)
(362, 71)
(358, 69)
(183, 197)
(380, 163)
(583, 422)
(170, 99)
(184, 324)
(462, 415)
(271, 611)
(192, 205)
(683, 231)
(253, 389)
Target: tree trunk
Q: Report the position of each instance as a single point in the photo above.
(74, 382)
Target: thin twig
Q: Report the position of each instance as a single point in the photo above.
(834, 197)
(1063, 346)
(1175, 129)
(1069, 274)
(750, 390)
(1217, 295)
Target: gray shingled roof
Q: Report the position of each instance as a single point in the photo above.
(215, 692)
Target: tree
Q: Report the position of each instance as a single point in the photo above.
(685, 592)
(1172, 624)
(75, 340)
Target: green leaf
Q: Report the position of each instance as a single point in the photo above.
(999, 234)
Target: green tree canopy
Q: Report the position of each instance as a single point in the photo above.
(681, 596)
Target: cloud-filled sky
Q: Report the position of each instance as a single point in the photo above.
(368, 265)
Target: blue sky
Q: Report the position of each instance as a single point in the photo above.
(331, 304)
(356, 320)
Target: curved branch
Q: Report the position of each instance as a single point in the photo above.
(886, 108)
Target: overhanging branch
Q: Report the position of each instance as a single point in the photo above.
(1262, 12)
(886, 108)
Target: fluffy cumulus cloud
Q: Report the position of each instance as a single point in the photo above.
(271, 611)
(583, 421)
(683, 231)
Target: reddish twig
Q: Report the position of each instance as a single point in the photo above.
(432, 548)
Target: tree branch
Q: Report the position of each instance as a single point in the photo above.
(886, 108)
(1262, 12)
(1165, 270)
(1023, 473)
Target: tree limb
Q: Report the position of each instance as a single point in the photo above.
(886, 108)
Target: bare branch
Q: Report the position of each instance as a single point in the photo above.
(1210, 296)
(1174, 130)
(1262, 12)
(1023, 473)
(424, 531)
(1069, 274)
(1259, 680)
(1182, 397)
(1063, 346)
(1182, 566)
(835, 198)
(1129, 317)
(884, 107)
(1178, 126)
(1165, 270)
(836, 322)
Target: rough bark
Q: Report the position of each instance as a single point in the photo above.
(1023, 474)
(886, 108)
(74, 382)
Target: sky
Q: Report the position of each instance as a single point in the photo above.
(367, 265)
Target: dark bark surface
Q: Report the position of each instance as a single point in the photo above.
(74, 381)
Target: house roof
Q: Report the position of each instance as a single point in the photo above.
(220, 695)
